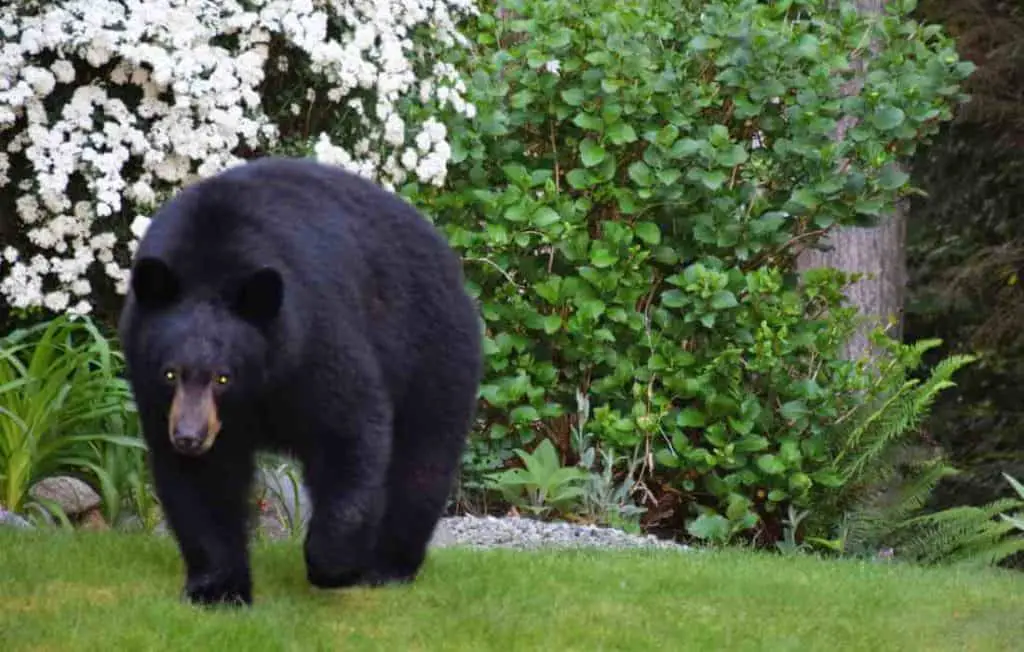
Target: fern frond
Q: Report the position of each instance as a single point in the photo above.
(959, 535)
(914, 491)
(898, 414)
(869, 416)
(954, 514)
(882, 492)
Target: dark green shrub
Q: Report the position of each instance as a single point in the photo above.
(629, 200)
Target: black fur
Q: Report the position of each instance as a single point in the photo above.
(340, 316)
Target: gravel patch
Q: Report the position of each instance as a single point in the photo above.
(530, 534)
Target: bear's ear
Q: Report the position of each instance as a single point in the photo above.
(154, 283)
(260, 296)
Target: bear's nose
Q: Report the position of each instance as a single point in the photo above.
(188, 442)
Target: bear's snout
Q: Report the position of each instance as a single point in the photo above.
(189, 441)
(193, 422)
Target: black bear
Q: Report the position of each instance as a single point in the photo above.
(288, 305)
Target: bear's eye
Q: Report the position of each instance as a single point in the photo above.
(223, 379)
(170, 376)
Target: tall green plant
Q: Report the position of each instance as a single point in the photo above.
(121, 473)
(884, 475)
(629, 200)
(58, 382)
(966, 535)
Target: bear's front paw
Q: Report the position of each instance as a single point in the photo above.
(219, 588)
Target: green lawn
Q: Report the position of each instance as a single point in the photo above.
(118, 592)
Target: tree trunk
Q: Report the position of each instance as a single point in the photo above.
(877, 251)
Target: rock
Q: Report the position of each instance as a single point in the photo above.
(74, 496)
(93, 520)
(10, 519)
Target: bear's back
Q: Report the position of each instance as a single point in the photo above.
(358, 263)
(291, 212)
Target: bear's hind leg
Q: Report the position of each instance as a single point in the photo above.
(345, 473)
(429, 438)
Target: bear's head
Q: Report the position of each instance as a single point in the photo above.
(206, 349)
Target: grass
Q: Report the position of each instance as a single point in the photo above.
(103, 591)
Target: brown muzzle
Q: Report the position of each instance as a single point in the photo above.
(193, 424)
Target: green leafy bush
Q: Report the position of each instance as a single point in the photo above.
(629, 200)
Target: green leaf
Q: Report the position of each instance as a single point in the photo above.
(793, 410)
(548, 289)
(516, 213)
(769, 222)
(667, 135)
(560, 39)
(552, 323)
(702, 42)
(710, 527)
(770, 464)
(805, 197)
(739, 506)
(591, 153)
(648, 232)
(887, 118)
(621, 133)
(602, 258)
(668, 176)
(521, 99)
(868, 206)
(516, 173)
(673, 298)
(891, 177)
(666, 255)
(690, 418)
(524, 414)
(665, 458)
(799, 482)
(712, 179)
(640, 173)
(573, 96)
(827, 478)
(733, 156)
(611, 111)
(588, 122)
(723, 299)
(545, 216)
(592, 308)
(578, 178)
(751, 443)
(686, 147)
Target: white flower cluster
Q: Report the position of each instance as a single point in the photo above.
(106, 106)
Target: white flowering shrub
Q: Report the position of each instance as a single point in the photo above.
(108, 106)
